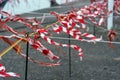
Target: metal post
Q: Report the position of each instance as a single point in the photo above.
(27, 50)
(110, 17)
(94, 32)
(69, 58)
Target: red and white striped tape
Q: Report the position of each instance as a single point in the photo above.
(50, 41)
(38, 46)
(94, 12)
(76, 34)
(3, 72)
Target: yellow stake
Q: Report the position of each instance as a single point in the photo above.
(17, 42)
(9, 48)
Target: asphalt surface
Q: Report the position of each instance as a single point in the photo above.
(100, 61)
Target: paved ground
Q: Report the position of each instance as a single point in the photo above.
(100, 62)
